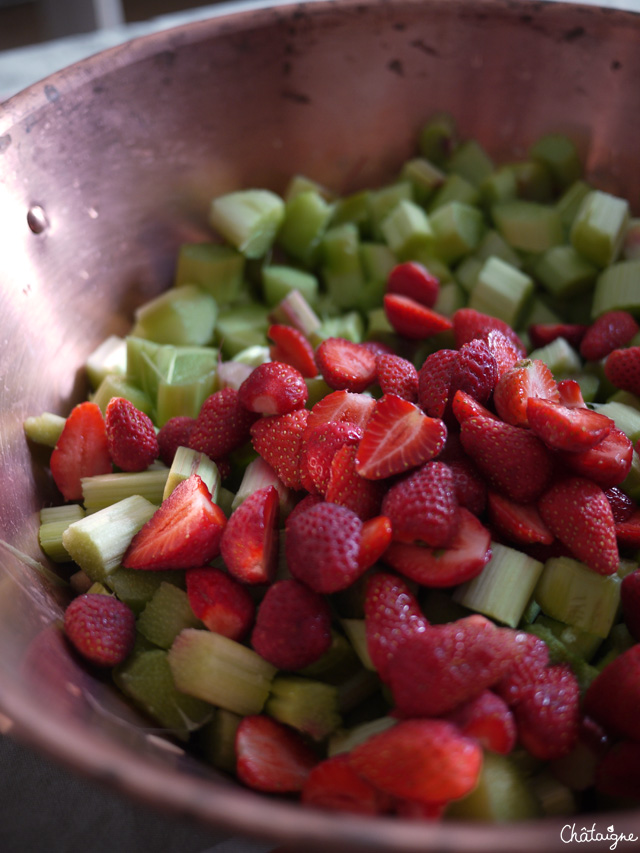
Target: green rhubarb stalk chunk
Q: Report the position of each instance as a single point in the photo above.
(109, 357)
(309, 706)
(44, 429)
(504, 587)
(572, 593)
(217, 738)
(502, 291)
(278, 281)
(220, 671)
(248, 219)
(306, 218)
(103, 490)
(528, 225)
(53, 522)
(501, 795)
(217, 269)
(137, 588)
(183, 316)
(187, 462)
(599, 227)
(618, 289)
(166, 614)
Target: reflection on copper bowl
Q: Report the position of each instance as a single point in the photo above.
(106, 167)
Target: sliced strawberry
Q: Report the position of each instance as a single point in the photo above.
(611, 330)
(607, 464)
(436, 670)
(323, 547)
(220, 602)
(520, 523)
(347, 488)
(271, 756)
(397, 375)
(628, 532)
(464, 558)
(291, 347)
(562, 428)
(464, 406)
(183, 533)
(630, 600)
(81, 451)
(622, 368)
(475, 370)
(374, 541)
(378, 348)
(342, 406)
(513, 459)
(542, 334)
(398, 436)
(488, 719)
(273, 388)
(528, 378)
(415, 281)
(101, 628)
(570, 393)
(434, 382)
(334, 785)
(424, 506)
(424, 760)
(504, 350)
(293, 625)
(249, 545)
(577, 511)
(278, 440)
(622, 506)
(411, 319)
(469, 324)
(222, 425)
(346, 366)
(392, 614)
(175, 433)
(319, 446)
(548, 713)
(131, 436)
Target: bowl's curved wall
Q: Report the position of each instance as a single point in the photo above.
(117, 159)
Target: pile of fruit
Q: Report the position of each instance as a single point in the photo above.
(354, 508)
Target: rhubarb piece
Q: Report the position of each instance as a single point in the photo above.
(248, 219)
(504, 588)
(220, 671)
(184, 316)
(99, 541)
(382, 201)
(306, 218)
(502, 794)
(241, 327)
(424, 176)
(528, 225)
(53, 523)
(572, 593)
(599, 227)
(569, 202)
(457, 230)
(44, 429)
(341, 268)
(559, 154)
(306, 705)
(138, 588)
(406, 229)
(217, 269)
(217, 739)
(187, 462)
(617, 289)
(471, 161)
(455, 190)
(502, 291)
(560, 357)
(166, 614)
(106, 489)
(438, 138)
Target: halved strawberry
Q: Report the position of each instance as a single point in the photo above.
(81, 451)
(415, 281)
(628, 532)
(249, 544)
(607, 464)
(577, 511)
(518, 522)
(293, 625)
(526, 379)
(398, 436)
(342, 406)
(512, 458)
(346, 366)
(392, 614)
(489, 719)
(319, 446)
(347, 488)
(434, 671)
(375, 538)
(622, 368)
(291, 347)
(333, 784)
(467, 554)
(464, 406)
(278, 439)
(273, 388)
(542, 334)
(424, 506)
(183, 533)
(397, 375)
(570, 393)
(563, 428)
(220, 602)
(271, 756)
(469, 324)
(425, 760)
(411, 319)
(611, 330)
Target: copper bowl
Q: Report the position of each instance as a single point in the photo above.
(107, 166)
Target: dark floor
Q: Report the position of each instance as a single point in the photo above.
(24, 23)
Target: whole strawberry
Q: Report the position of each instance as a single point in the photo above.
(222, 425)
(175, 433)
(475, 370)
(131, 437)
(278, 439)
(434, 382)
(611, 330)
(613, 697)
(101, 628)
(397, 376)
(622, 368)
(273, 388)
(630, 600)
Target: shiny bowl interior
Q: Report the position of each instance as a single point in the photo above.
(107, 166)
